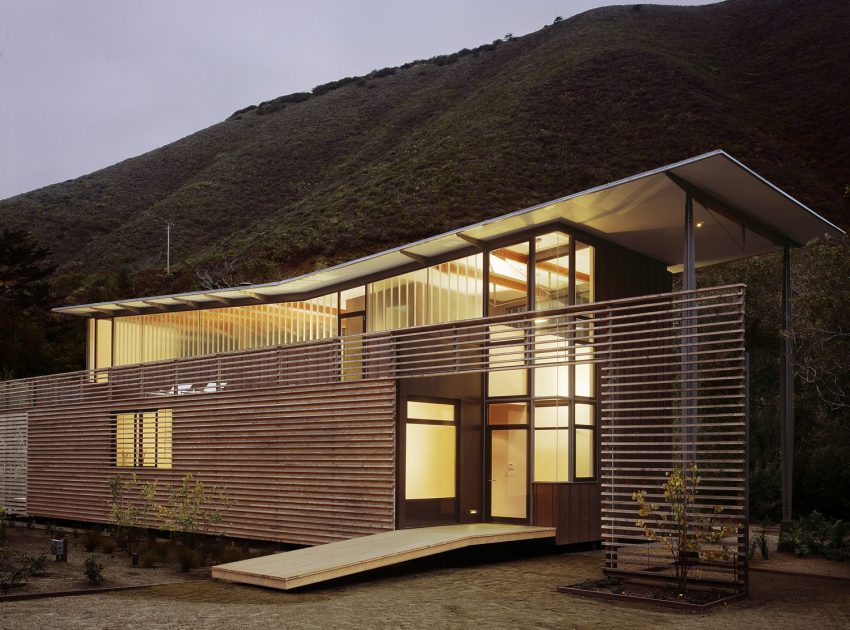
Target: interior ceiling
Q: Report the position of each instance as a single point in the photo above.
(644, 213)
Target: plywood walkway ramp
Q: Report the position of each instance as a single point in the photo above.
(326, 562)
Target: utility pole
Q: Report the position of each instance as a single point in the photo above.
(168, 248)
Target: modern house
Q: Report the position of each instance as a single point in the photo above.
(533, 369)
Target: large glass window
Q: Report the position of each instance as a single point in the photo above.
(508, 280)
(162, 336)
(584, 273)
(551, 271)
(430, 450)
(143, 438)
(447, 292)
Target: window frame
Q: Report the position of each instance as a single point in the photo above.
(163, 438)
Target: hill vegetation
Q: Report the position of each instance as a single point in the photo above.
(364, 163)
(368, 162)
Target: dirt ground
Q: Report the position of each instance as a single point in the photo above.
(495, 587)
(68, 576)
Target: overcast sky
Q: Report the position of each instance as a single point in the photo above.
(87, 83)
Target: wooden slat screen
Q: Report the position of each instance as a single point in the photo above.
(673, 392)
(226, 405)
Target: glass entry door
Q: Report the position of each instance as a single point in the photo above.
(509, 473)
(507, 431)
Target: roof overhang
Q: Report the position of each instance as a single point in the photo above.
(738, 214)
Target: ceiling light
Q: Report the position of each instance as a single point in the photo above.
(700, 223)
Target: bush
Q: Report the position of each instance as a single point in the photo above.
(36, 565)
(15, 569)
(147, 558)
(186, 559)
(93, 570)
(324, 88)
(91, 538)
(814, 535)
(267, 107)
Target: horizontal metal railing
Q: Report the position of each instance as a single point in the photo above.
(589, 334)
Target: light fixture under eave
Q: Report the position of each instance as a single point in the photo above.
(700, 223)
(541, 320)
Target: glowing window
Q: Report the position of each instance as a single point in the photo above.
(143, 438)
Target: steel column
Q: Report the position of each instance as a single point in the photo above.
(689, 283)
(786, 390)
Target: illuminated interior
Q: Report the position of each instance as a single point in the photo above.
(143, 439)
(508, 473)
(552, 271)
(450, 291)
(430, 450)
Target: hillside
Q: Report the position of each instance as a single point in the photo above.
(409, 152)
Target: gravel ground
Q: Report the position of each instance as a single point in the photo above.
(487, 588)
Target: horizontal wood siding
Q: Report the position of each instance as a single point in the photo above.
(301, 465)
(13, 462)
(622, 273)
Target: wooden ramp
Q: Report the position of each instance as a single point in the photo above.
(326, 562)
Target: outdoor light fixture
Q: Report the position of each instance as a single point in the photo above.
(700, 223)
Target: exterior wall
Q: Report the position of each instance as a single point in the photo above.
(13, 463)
(572, 508)
(301, 465)
(622, 273)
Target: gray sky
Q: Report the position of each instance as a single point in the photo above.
(87, 83)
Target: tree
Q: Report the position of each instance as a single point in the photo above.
(682, 531)
(23, 267)
(24, 304)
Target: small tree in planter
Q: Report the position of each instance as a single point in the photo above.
(684, 534)
(193, 510)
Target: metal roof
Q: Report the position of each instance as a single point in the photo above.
(738, 212)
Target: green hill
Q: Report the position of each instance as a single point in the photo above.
(310, 179)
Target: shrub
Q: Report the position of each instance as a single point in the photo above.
(267, 107)
(36, 565)
(193, 509)
(147, 558)
(91, 538)
(324, 88)
(93, 570)
(186, 559)
(232, 554)
(16, 567)
(383, 72)
(816, 535)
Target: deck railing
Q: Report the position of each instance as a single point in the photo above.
(671, 378)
